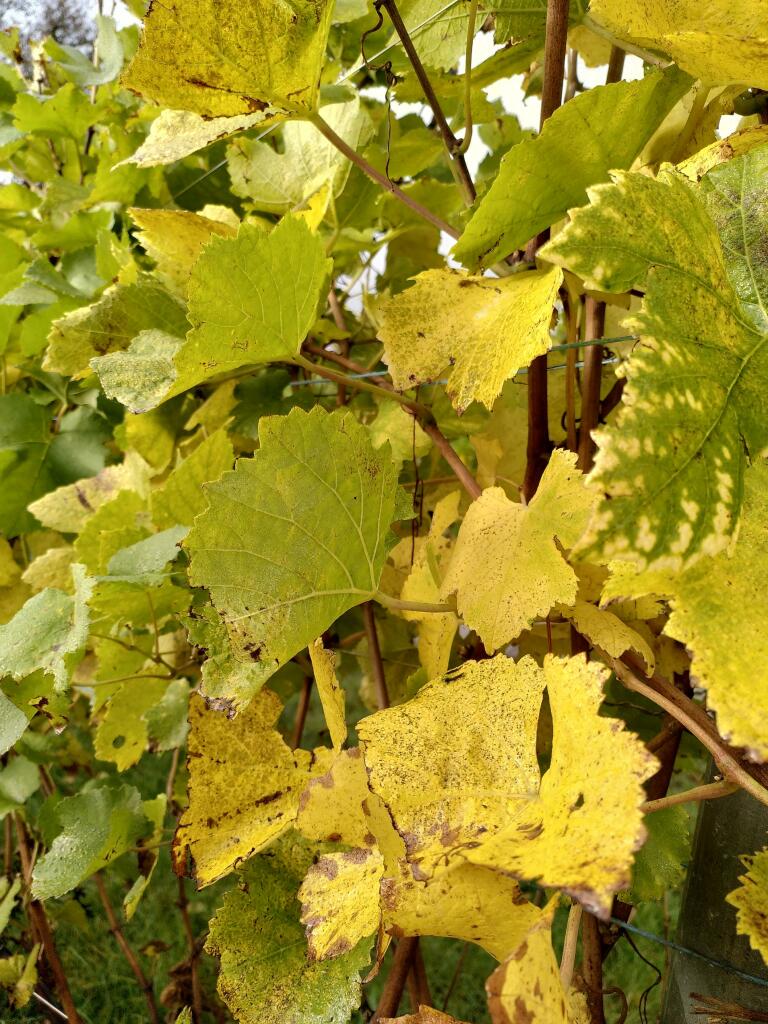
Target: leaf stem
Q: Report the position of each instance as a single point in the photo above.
(336, 140)
(690, 716)
(568, 958)
(411, 606)
(354, 382)
(130, 956)
(711, 791)
(377, 665)
(455, 152)
(472, 19)
(592, 378)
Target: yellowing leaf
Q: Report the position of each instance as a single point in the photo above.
(68, 508)
(673, 464)
(219, 60)
(718, 612)
(483, 329)
(296, 535)
(470, 787)
(121, 736)
(331, 806)
(512, 548)
(527, 986)
(608, 632)
(175, 134)
(331, 693)
(174, 239)
(266, 976)
(734, 145)
(340, 901)
(181, 497)
(751, 902)
(425, 1015)
(244, 787)
(707, 41)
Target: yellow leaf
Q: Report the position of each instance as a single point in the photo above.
(423, 583)
(426, 1015)
(174, 239)
(177, 133)
(51, 569)
(224, 59)
(513, 549)
(465, 902)
(735, 145)
(608, 632)
(244, 787)
(751, 902)
(331, 693)
(331, 807)
(483, 329)
(527, 986)
(470, 786)
(340, 901)
(706, 40)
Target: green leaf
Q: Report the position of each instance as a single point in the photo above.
(13, 723)
(691, 421)
(296, 535)
(144, 561)
(541, 178)
(48, 633)
(483, 330)
(18, 781)
(108, 48)
(660, 862)
(68, 112)
(33, 460)
(96, 826)
(709, 42)
(109, 324)
(266, 977)
(196, 55)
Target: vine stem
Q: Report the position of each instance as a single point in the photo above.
(42, 928)
(539, 444)
(455, 152)
(710, 791)
(592, 967)
(422, 413)
(130, 956)
(396, 979)
(361, 385)
(336, 140)
(301, 712)
(411, 606)
(706, 735)
(468, 126)
(197, 992)
(377, 665)
(568, 958)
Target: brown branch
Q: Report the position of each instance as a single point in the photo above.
(591, 380)
(462, 175)
(338, 318)
(421, 990)
(592, 967)
(572, 309)
(539, 444)
(336, 140)
(42, 930)
(130, 956)
(392, 992)
(197, 992)
(374, 653)
(615, 65)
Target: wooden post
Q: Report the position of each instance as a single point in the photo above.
(726, 829)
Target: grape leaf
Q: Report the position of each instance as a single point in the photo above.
(122, 734)
(175, 134)
(181, 496)
(541, 178)
(330, 690)
(527, 986)
(244, 787)
(608, 632)
(277, 182)
(708, 42)
(484, 329)
(331, 806)
(155, 813)
(425, 1015)
(97, 825)
(174, 239)
(48, 633)
(296, 535)
(513, 548)
(660, 863)
(751, 902)
(109, 324)
(471, 788)
(266, 976)
(340, 901)
(197, 55)
(673, 465)
(718, 613)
